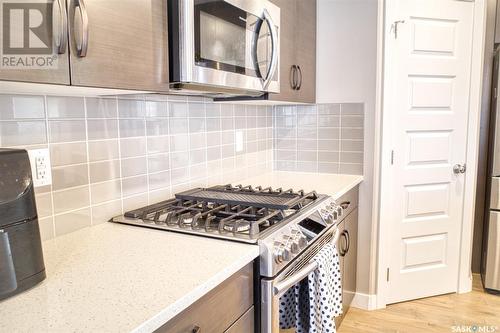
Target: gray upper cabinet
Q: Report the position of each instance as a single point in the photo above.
(297, 51)
(306, 50)
(119, 44)
(56, 52)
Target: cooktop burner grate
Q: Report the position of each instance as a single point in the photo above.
(249, 196)
(225, 209)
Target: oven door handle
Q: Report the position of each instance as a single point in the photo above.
(280, 287)
(274, 55)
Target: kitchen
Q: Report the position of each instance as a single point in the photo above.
(191, 165)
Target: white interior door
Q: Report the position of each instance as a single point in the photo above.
(429, 107)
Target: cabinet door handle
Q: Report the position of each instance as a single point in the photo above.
(348, 239)
(345, 205)
(82, 31)
(343, 246)
(293, 77)
(299, 78)
(60, 26)
(196, 329)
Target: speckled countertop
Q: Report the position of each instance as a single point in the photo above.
(117, 278)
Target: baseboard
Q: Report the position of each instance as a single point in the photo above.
(364, 301)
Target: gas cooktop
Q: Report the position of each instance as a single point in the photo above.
(224, 211)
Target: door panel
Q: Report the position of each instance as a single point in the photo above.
(430, 110)
(127, 44)
(350, 259)
(306, 49)
(288, 50)
(57, 75)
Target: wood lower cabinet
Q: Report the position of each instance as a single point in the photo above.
(348, 249)
(227, 308)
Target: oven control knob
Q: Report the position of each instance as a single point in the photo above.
(284, 255)
(335, 215)
(302, 242)
(294, 247)
(281, 253)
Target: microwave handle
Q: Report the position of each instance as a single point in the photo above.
(274, 55)
(284, 285)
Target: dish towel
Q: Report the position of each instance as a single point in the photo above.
(312, 305)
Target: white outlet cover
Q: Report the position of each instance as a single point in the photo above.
(239, 141)
(40, 167)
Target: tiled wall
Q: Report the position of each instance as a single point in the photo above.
(114, 154)
(319, 138)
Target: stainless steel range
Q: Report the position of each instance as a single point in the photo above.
(289, 227)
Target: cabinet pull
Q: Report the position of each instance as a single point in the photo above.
(82, 32)
(343, 245)
(348, 241)
(299, 78)
(196, 329)
(60, 26)
(345, 204)
(293, 77)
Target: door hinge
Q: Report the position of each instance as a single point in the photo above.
(394, 27)
(392, 157)
(387, 274)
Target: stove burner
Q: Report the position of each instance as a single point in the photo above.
(226, 209)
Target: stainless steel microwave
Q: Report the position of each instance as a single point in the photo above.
(224, 47)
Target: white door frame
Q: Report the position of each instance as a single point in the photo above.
(382, 163)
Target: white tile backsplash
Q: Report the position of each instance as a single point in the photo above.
(113, 154)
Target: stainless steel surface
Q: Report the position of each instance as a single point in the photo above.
(490, 260)
(127, 45)
(459, 168)
(275, 49)
(60, 26)
(188, 74)
(282, 286)
(81, 24)
(492, 274)
(273, 288)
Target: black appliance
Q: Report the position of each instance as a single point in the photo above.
(21, 257)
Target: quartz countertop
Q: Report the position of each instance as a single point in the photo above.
(118, 278)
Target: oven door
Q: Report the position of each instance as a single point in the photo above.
(232, 44)
(272, 289)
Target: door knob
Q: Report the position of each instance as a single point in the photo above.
(459, 168)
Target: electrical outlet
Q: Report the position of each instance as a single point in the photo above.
(239, 141)
(40, 167)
